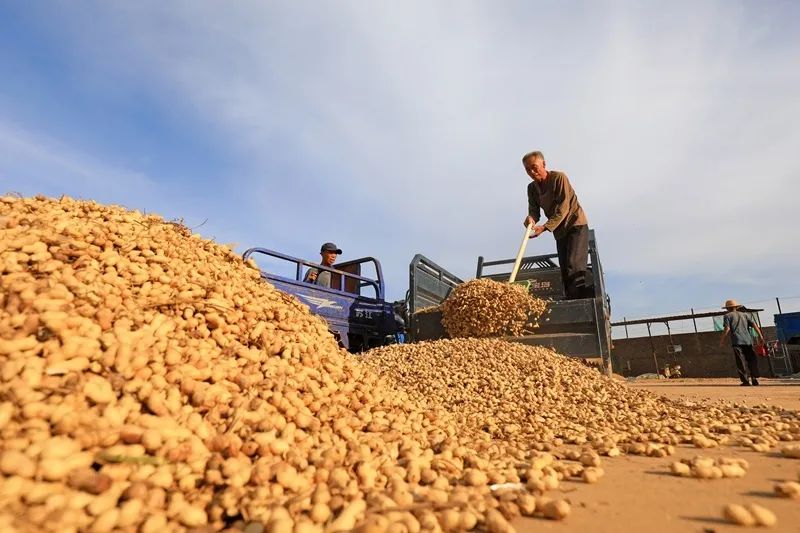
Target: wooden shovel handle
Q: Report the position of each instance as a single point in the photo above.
(521, 252)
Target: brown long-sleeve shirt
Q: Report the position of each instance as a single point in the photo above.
(557, 199)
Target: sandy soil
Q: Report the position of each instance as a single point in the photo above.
(782, 392)
(638, 494)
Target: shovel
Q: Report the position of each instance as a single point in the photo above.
(521, 252)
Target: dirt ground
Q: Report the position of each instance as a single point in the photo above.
(782, 392)
(638, 494)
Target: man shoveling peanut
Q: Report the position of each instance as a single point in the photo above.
(551, 192)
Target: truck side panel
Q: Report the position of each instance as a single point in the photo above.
(429, 285)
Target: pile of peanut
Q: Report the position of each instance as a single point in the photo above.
(487, 308)
(151, 381)
(531, 394)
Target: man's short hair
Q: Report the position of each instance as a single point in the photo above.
(536, 154)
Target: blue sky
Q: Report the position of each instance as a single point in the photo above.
(397, 128)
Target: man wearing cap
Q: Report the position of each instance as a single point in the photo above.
(328, 251)
(738, 325)
(551, 192)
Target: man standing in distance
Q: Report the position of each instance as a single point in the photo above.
(550, 191)
(737, 325)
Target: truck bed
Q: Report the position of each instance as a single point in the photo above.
(569, 327)
(578, 328)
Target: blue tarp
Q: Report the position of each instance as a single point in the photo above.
(788, 328)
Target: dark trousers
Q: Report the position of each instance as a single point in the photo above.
(573, 254)
(745, 356)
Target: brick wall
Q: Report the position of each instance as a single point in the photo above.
(701, 355)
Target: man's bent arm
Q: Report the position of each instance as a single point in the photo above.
(560, 212)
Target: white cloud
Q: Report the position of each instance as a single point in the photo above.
(402, 125)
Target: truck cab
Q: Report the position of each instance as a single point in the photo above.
(354, 306)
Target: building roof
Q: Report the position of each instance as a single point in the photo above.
(672, 318)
